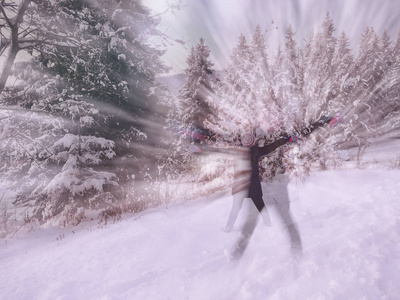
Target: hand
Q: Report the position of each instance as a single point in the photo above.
(334, 121)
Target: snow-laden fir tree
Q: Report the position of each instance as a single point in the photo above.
(233, 99)
(266, 112)
(318, 91)
(391, 122)
(193, 106)
(379, 96)
(193, 110)
(244, 101)
(287, 83)
(368, 73)
(343, 80)
(99, 95)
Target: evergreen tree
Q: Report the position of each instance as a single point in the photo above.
(287, 86)
(387, 52)
(391, 105)
(234, 102)
(344, 76)
(318, 90)
(194, 107)
(237, 79)
(265, 106)
(386, 61)
(277, 78)
(259, 53)
(369, 67)
(103, 93)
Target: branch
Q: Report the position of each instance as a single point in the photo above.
(26, 151)
(177, 6)
(5, 118)
(35, 142)
(11, 6)
(8, 21)
(21, 11)
(27, 31)
(3, 46)
(23, 110)
(69, 43)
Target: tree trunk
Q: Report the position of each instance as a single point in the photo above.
(6, 70)
(14, 47)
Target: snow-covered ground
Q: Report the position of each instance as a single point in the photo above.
(349, 223)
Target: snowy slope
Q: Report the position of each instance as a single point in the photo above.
(349, 222)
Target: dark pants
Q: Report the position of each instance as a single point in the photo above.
(258, 202)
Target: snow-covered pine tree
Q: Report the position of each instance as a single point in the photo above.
(101, 93)
(303, 88)
(318, 70)
(194, 109)
(244, 102)
(232, 100)
(343, 79)
(266, 112)
(291, 61)
(369, 68)
(319, 92)
(387, 52)
(191, 111)
(287, 83)
(260, 56)
(391, 106)
(241, 65)
(382, 103)
(277, 76)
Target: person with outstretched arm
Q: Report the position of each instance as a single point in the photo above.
(247, 182)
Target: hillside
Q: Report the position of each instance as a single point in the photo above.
(348, 221)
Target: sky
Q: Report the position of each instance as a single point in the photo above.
(221, 22)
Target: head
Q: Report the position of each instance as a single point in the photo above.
(248, 139)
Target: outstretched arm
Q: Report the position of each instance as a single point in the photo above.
(303, 133)
(309, 129)
(271, 147)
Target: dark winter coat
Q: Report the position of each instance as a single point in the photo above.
(256, 153)
(255, 191)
